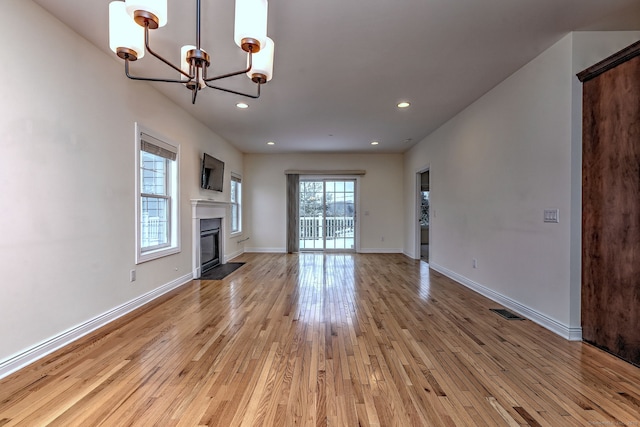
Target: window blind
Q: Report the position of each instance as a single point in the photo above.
(153, 145)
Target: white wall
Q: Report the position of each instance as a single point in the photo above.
(380, 196)
(495, 167)
(67, 177)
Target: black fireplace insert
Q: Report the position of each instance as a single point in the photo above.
(209, 243)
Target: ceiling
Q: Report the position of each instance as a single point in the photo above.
(341, 66)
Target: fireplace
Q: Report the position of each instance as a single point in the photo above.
(209, 243)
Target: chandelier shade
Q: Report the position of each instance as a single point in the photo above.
(124, 34)
(262, 67)
(131, 22)
(251, 23)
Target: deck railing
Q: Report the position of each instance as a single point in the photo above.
(311, 228)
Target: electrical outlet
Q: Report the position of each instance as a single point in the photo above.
(132, 276)
(475, 263)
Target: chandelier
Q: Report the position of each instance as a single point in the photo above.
(131, 20)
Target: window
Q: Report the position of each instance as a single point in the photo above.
(424, 208)
(157, 197)
(236, 203)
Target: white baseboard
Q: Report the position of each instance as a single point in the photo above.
(379, 251)
(362, 251)
(232, 255)
(568, 332)
(266, 250)
(38, 351)
(407, 254)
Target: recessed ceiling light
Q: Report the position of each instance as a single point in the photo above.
(403, 104)
(271, 143)
(375, 143)
(242, 105)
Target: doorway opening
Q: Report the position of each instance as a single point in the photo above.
(423, 214)
(327, 214)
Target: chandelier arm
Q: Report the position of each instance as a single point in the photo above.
(149, 79)
(235, 92)
(235, 73)
(194, 94)
(146, 43)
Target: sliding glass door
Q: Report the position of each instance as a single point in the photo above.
(327, 214)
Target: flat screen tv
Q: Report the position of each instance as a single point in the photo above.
(212, 173)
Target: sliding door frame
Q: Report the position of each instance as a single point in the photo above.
(356, 180)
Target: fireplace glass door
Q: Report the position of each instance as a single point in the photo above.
(209, 243)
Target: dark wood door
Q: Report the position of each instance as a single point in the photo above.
(611, 210)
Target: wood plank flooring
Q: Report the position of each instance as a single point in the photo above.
(323, 340)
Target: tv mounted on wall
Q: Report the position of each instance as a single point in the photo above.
(212, 173)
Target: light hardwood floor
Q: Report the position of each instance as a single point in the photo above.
(312, 339)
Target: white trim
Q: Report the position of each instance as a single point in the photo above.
(345, 172)
(232, 255)
(174, 239)
(568, 332)
(40, 350)
(208, 209)
(361, 251)
(380, 251)
(266, 250)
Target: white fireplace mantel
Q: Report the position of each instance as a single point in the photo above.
(207, 209)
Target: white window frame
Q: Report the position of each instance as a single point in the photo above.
(149, 136)
(238, 203)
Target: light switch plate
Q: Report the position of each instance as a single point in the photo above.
(552, 215)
